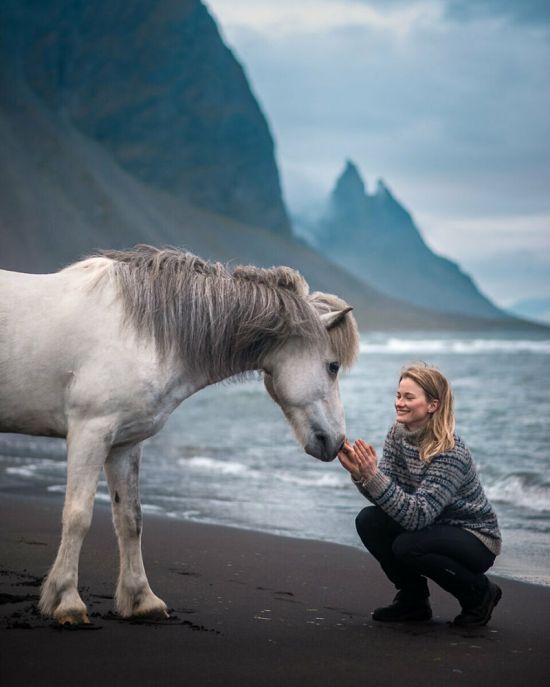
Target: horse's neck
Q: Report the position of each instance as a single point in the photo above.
(239, 363)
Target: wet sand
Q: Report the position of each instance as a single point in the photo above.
(246, 609)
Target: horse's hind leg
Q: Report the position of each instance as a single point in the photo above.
(133, 595)
(87, 449)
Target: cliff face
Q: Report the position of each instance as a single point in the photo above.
(154, 84)
(376, 238)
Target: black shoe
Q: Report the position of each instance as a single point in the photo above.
(476, 616)
(404, 609)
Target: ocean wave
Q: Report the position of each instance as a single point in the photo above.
(37, 469)
(324, 480)
(456, 346)
(151, 508)
(519, 490)
(102, 496)
(21, 472)
(219, 467)
(234, 468)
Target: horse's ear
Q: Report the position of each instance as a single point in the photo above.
(331, 319)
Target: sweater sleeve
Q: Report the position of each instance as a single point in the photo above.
(384, 467)
(440, 484)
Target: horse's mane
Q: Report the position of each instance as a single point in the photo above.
(223, 322)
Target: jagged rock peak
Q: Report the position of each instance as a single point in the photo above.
(383, 196)
(376, 238)
(351, 177)
(382, 189)
(349, 189)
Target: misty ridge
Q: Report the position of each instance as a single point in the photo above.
(135, 123)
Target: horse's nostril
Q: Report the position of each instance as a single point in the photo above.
(322, 439)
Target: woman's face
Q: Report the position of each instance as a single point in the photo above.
(411, 405)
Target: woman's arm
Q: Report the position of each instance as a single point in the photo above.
(438, 488)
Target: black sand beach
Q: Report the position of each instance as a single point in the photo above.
(247, 609)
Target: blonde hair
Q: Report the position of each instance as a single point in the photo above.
(438, 435)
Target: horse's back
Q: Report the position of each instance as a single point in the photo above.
(31, 304)
(24, 299)
(28, 301)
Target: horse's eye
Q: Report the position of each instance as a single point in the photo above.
(333, 368)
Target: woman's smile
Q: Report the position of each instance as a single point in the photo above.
(411, 405)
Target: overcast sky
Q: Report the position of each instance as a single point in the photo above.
(448, 101)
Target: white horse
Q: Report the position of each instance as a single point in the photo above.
(104, 350)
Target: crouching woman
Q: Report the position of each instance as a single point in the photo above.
(431, 517)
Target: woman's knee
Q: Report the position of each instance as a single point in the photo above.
(371, 518)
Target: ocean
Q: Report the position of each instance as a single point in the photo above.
(227, 456)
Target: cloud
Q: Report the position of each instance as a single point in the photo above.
(288, 17)
(510, 277)
(442, 105)
(532, 12)
(488, 237)
(450, 107)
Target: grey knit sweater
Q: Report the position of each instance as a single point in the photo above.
(446, 491)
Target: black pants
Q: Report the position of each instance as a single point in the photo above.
(450, 556)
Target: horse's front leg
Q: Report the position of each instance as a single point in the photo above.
(87, 450)
(133, 595)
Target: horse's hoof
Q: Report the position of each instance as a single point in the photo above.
(75, 618)
(151, 614)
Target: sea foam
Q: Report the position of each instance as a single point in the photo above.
(399, 346)
(518, 490)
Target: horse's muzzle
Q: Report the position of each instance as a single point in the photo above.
(322, 447)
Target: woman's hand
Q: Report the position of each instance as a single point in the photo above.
(359, 460)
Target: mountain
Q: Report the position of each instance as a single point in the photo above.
(376, 239)
(96, 153)
(154, 84)
(537, 309)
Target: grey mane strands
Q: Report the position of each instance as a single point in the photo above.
(222, 323)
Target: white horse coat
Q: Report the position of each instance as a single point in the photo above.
(85, 359)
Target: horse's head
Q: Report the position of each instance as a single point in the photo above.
(302, 378)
